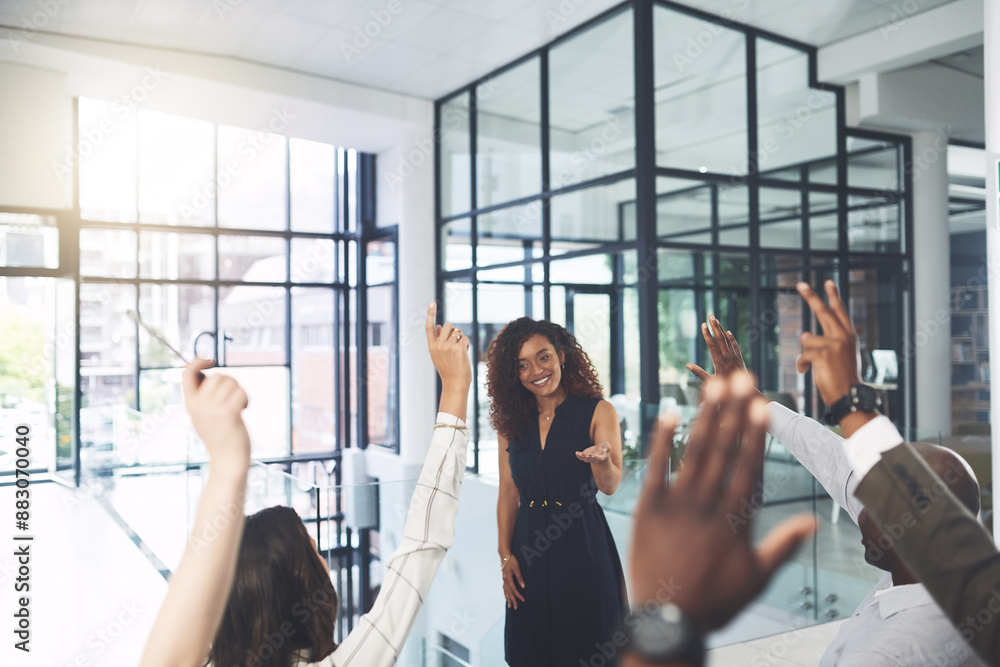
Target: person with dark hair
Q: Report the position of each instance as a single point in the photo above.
(559, 443)
(255, 592)
(898, 623)
(265, 597)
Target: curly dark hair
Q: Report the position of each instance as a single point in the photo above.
(513, 410)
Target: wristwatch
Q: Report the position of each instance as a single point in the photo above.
(860, 398)
(664, 632)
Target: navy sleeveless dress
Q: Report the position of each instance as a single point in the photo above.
(574, 595)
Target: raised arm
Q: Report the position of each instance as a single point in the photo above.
(719, 570)
(192, 611)
(817, 448)
(430, 521)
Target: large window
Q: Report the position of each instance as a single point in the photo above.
(231, 243)
(654, 166)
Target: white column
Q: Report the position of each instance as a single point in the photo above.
(418, 399)
(992, 62)
(931, 281)
(405, 191)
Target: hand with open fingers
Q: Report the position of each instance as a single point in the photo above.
(598, 453)
(834, 356)
(513, 582)
(691, 542)
(726, 356)
(215, 404)
(449, 348)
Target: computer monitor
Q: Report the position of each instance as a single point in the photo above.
(885, 365)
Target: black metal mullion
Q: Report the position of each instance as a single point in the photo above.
(529, 309)
(753, 196)
(546, 143)
(343, 182)
(806, 212)
(617, 321)
(910, 380)
(646, 244)
(438, 224)
(842, 197)
(362, 346)
(570, 306)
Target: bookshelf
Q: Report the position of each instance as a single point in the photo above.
(970, 368)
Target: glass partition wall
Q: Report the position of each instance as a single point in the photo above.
(652, 167)
(250, 247)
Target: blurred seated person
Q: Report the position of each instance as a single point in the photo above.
(898, 624)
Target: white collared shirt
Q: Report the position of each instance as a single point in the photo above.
(898, 626)
(895, 626)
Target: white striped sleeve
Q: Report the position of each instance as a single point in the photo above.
(429, 532)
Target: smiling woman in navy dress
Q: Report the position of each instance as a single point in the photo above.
(559, 444)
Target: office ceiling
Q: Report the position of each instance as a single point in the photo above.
(424, 48)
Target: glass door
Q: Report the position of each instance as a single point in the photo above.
(589, 319)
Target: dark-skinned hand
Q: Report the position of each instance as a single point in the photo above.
(718, 571)
(833, 357)
(726, 356)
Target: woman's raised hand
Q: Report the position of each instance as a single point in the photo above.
(449, 350)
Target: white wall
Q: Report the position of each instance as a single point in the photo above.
(36, 121)
(992, 88)
(931, 340)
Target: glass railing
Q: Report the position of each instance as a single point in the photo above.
(462, 621)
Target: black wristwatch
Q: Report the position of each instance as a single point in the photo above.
(664, 632)
(860, 398)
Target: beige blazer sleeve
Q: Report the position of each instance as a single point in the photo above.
(427, 535)
(941, 542)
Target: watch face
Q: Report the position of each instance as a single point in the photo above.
(664, 634)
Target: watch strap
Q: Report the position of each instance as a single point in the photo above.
(860, 397)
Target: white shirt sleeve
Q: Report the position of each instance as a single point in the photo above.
(820, 451)
(429, 532)
(864, 448)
